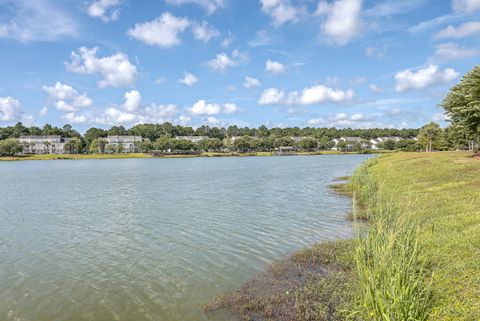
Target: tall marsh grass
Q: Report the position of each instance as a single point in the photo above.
(394, 281)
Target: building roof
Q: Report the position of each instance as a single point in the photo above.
(40, 137)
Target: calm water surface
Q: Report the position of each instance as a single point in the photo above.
(155, 239)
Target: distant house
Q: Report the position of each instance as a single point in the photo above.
(43, 144)
(349, 141)
(375, 142)
(233, 139)
(129, 143)
(193, 139)
(296, 139)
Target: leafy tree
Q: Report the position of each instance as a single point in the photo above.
(10, 147)
(308, 143)
(462, 105)
(183, 145)
(211, 144)
(94, 133)
(109, 149)
(389, 144)
(341, 145)
(94, 147)
(430, 136)
(244, 144)
(73, 146)
(145, 146)
(284, 141)
(164, 143)
(120, 149)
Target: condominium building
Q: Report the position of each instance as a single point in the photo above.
(129, 143)
(43, 144)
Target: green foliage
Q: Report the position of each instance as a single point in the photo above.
(73, 146)
(210, 144)
(431, 137)
(462, 105)
(10, 147)
(308, 143)
(392, 273)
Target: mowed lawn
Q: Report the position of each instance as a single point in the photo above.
(442, 191)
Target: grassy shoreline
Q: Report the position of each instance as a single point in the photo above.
(144, 155)
(419, 258)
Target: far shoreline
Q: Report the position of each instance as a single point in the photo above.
(147, 155)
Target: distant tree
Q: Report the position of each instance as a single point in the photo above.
(117, 131)
(94, 133)
(244, 144)
(308, 143)
(10, 147)
(145, 146)
(73, 146)
(430, 136)
(94, 147)
(120, 149)
(164, 143)
(389, 144)
(183, 145)
(341, 145)
(109, 149)
(284, 141)
(211, 144)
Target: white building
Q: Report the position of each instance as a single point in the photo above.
(193, 139)
(349, 141)
(129, 143)
(43, 144)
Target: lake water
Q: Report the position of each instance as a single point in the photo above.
(155, 239)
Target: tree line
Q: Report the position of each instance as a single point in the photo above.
(461, 104)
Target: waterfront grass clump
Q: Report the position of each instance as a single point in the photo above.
(313, 284)
(394, 281)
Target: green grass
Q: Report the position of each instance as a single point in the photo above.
(420, 258)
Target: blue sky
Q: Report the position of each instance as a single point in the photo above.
(343, 63)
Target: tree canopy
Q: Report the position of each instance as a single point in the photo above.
(462, 105)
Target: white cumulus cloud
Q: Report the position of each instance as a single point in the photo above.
(423, 78)
(73, 119)
(10, 108)
(204, 32)
(202, 108)
(133, 99)
(163, 31)
(104, 9)
(66, 98)
(318, 94)
(281, 11)
(274, 67)
(188, 79)
(116, 70)
(223, 61)
(133, 112)
(342, 21)
(251, 82)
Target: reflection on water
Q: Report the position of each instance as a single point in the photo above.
(154, 239)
